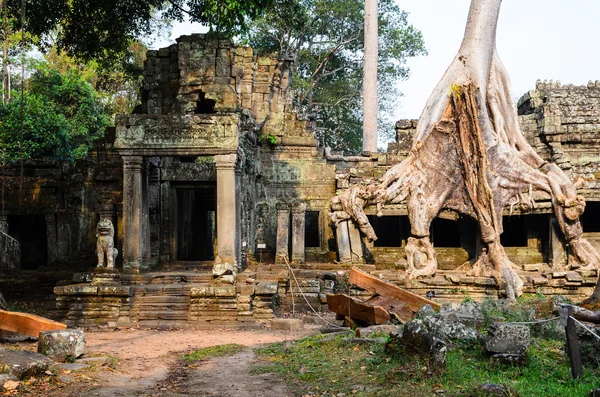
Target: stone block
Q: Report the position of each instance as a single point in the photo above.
(204, 291)
(574, 277)
(509, 359)
(7, 379)
(508, 338)
(266, 288)
(225, 291)
(23, 364)
(415, 339)
(287, 324)
(60, 345)
(245, 289)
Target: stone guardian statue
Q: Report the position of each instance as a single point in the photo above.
(105, 244)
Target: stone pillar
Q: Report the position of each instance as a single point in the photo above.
(145, 217)
(132, 213)
(51, 238)
(558, 255)
(355, 243)
(167, 231)
(283, 232)
(298, 226)
(343, 242)
(228, 224)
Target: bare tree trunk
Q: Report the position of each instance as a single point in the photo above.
(5, 75)
(470, 156)
(370, 77)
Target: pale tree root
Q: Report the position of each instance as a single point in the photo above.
(421, 258)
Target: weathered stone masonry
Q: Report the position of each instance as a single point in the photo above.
(190, 180)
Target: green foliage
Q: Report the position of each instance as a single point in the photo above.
(103, 29)
(214, 351)
(268, 138)
(61, 118)
(325, 38)
(117, 86)
(315, 367)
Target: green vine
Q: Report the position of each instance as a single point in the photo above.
(269, 138)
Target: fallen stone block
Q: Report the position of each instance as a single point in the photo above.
(99, 361)
(491, 390)
(61, 345)
(415, 339)
(287, 324)
(4, 378)
(509, 359)
(375, 329)
(23, 364)
(74, 366)
(508, 338)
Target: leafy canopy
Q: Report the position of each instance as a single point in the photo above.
(61, 118)
(326, 40)
(102, 29)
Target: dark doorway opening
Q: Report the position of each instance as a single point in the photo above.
(196, 223)
(30, 232)
(391, 231)
(590, 219)
(311, 229)
(445, 233)
(515, 231)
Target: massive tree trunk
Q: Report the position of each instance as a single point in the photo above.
(370, 77)
(470, 156)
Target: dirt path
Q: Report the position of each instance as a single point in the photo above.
(147, 365)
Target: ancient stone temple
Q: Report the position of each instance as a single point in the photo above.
(216, 183)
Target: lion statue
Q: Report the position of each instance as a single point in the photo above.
(105, 244)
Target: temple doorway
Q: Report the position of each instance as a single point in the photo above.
(196, 223)
(30, 232)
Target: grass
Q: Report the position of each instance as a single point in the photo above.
(214, 351)
(318, 367)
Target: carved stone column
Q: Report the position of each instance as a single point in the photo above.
(228, 225)
(343, 242)
(145, 217)
(51, 238)
(355, 243)
(298, 226)
(132, 213)
(283, 232)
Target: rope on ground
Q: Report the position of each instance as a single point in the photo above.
(536, 322)
(584, 327)
(304, 296)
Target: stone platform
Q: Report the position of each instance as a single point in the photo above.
(193, 299)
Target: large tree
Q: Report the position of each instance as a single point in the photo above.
(470, 156)
(59, 118)
(102, 29)
(325, 39)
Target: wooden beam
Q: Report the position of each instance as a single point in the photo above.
(356, 309)
(392, 306)
(27, 324)
(374, 284)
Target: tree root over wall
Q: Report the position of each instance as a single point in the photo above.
(470, 156)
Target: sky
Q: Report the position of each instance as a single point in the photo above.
(536, 39)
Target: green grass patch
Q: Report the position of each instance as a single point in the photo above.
(214, 351)
(316, 366)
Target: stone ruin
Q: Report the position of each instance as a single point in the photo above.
(193, 184)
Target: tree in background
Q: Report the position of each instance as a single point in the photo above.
(59, 118)
(104, 29)
(118, 86)
(325, 38)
